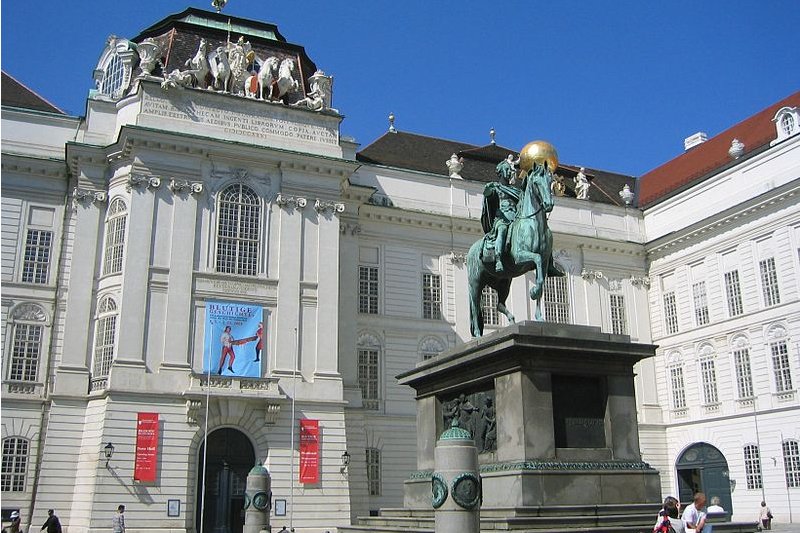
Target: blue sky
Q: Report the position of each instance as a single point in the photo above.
(615, 85)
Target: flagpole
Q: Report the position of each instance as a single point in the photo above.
(292, 430)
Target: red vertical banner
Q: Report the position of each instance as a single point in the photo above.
(309, 451)
(146, 447)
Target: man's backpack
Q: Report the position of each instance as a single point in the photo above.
(664, 526)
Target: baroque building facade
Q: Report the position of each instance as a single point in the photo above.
(209, 170)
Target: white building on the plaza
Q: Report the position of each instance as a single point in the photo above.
(191, 185)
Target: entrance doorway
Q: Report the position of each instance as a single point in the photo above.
(703, 468)
(230, 457)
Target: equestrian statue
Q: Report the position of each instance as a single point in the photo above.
(517, 238)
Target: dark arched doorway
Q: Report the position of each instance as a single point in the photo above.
(703, 468)
(230, 457)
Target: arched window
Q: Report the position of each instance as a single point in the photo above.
(113, 77)
(787, 124)
(675, 370)
(238, 230)
(430, 347)
(15, 464)
(369, 354)
(708, 375)
(26, 343)
(741, 364)
(115, 236)
(104, 337)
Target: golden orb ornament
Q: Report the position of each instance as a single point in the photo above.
(541, 152)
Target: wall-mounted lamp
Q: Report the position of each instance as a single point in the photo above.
(108, 452)
(345, 463)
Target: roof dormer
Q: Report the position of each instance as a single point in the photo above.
(787, 123)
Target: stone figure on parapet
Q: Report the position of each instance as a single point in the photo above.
(521, 240)
(454, 166)
(581, 185)
(319, 98)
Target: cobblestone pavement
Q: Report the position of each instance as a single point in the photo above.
(786, 528)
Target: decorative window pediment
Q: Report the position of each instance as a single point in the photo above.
(115, 66)
(787, 123)
(29, 312)
(430, 347)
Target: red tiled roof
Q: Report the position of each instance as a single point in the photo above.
(755, 132)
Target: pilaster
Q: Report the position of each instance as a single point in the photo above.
(288, 309)
(328, 288)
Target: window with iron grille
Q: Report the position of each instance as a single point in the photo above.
(15, 464)
(744, 376)
(700, 303)
(368, 290)
(489, 299)
(115, 237)
(368, 378)
(37, 256)
(678, 390)
(769, 282)
(104, 337)
(374, 471)
(752, 467)
(432, 296)
(670, 313)
(555, 300)
(619, 322)
(708, 374)
(238, 230)
(780, 366)
(733, 293)
(25, 351)
(791, 463)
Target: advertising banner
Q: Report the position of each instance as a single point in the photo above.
(234, 339)
(146, 447)
(309, 451)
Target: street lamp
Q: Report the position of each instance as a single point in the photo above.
(345, 463)
(108, 452)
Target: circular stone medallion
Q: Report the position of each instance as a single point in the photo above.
(438, 490)
(467, 490)
(261, 500)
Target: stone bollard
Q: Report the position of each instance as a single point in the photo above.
(456, 483)
(257, 500)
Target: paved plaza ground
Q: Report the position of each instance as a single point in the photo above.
(786, 528)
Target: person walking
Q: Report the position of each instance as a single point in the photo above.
(118, 521)
(52, 524)
(765, 516)
(14, 526)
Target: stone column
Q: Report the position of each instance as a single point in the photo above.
(257, 500)
(456, 484)
(72, 373)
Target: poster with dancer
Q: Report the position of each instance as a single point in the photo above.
(234, 339)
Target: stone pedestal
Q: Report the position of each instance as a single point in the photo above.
(562, 401)
(257, 500)
(456, 485)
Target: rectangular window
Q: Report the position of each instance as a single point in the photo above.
(368, 378)
(791, 463)
(700, 303)
(769, 282)
(555, 300)
(678, 392)
(670, 313)
(708, 374)
(752, 467)
(489, 305)
(25, 352)
(368, 290)
(37, 256)
(733, 293)
(744, 376)
(780, 366)
(432, 296)
(374, 471)
(14, 464)
(619, 323)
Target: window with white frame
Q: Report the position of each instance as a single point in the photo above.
(619, 321)
(26, 346)
(791, 463)
(238, 230)
(555, 300)
(368, 290)
(744, 374)
(489, 299)
(369, 355)
(786, 123)
(14, 464)
(733, 293)
(374, 471)
(431, 296)
(430, 347)
(670, 313)
(780, 366)
(113, 77)
(769, 282)
(678, 389)
(708, 376)
(115, 236)
(752, 467)
(36, 261)
(701, 317)
(104, 337)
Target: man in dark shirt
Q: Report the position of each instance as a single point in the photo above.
(52, 524)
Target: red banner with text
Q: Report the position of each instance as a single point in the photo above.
(309, 451)
(146, 447)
